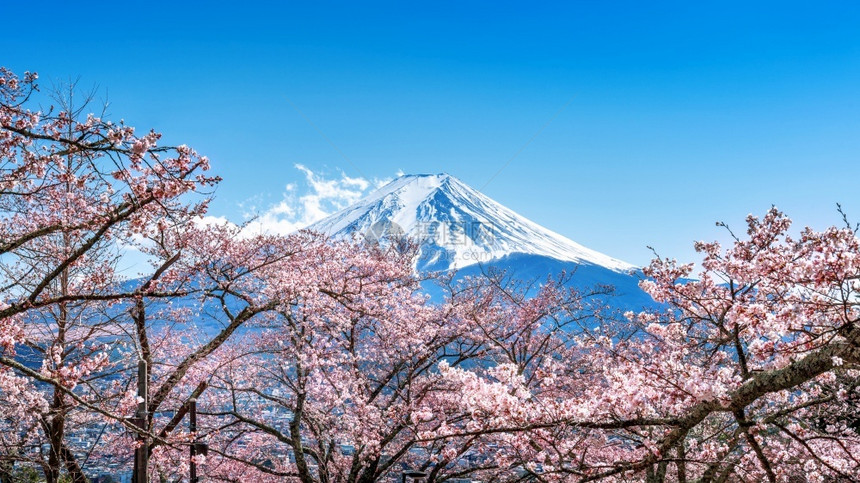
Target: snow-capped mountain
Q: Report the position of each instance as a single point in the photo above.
(460, 228)
(456, 225)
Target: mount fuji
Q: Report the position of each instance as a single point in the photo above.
(459, 228)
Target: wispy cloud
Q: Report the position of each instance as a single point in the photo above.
(304, 204)
(301, 205)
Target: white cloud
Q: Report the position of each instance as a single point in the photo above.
(322, 197)
(299, 207)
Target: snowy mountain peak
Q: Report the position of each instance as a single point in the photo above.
(457, 225)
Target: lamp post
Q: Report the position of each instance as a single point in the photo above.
(414, 475)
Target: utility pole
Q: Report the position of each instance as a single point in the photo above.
(192, 427)
(141, 454)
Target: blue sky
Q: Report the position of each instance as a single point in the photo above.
(678, 114)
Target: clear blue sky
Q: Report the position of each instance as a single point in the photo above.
(682, 113)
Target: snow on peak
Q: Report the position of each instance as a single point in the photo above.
(457, 226)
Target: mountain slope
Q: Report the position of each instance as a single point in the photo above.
(456, 225)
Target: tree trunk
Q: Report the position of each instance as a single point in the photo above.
(55, 427)
(75, 471)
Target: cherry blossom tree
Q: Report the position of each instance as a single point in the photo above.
(336, 367)
(234, 284)
(749, 374)
(74, 190)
